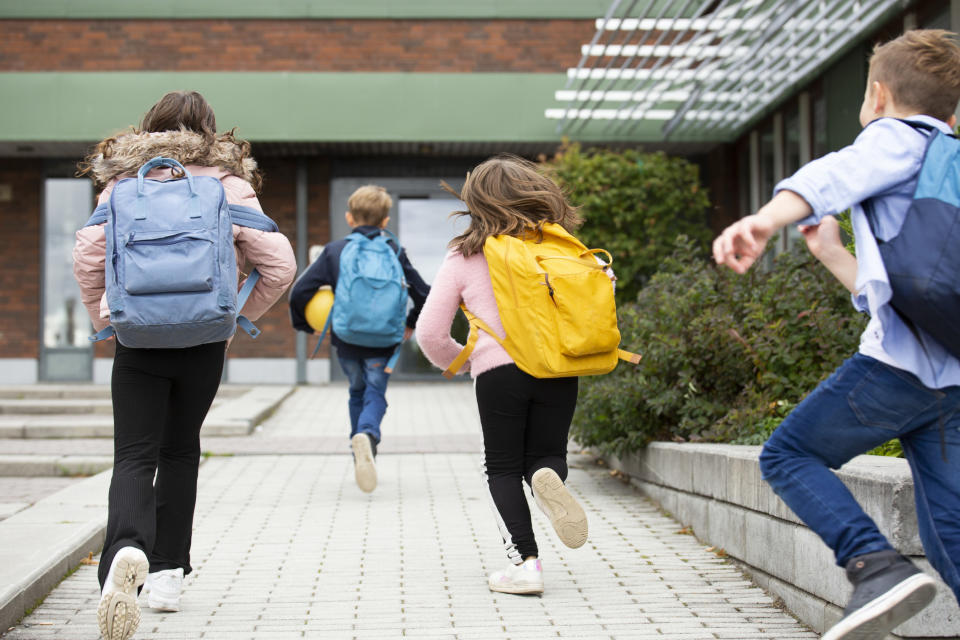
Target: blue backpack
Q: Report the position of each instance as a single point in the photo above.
(923, 261)
(370, 301)
(171, 273)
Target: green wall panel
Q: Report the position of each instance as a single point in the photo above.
(81, 106)
(587, 9)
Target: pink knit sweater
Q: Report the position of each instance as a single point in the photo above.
(459, 280)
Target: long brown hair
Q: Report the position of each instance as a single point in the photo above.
(509, 195)
(179, 111)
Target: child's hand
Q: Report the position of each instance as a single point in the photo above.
(823, 238)
(743, 242)
(407, 332)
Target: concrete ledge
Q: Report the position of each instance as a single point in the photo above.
(242, 414)
(718, 491)
(32, 466)
(43, 543)
(235, 412)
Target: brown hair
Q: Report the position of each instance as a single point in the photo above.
(509, 195)
(369, 204)
(179, 111)
(922, 70)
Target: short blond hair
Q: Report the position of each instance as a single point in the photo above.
(922, 70)
(369, 204)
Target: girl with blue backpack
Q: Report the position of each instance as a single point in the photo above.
(161, 394)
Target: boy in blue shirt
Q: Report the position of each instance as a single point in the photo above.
(902, 383)
(364, 366)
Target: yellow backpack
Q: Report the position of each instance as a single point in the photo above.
(556, 304)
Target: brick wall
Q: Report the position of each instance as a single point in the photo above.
(548, 46)
(20, 221)
(278, 199)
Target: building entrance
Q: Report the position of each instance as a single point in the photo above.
(420, 218)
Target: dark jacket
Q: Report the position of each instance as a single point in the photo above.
(325, 271)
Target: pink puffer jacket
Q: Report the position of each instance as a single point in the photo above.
(269, 252)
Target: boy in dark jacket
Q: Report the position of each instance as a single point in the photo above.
(364, 366)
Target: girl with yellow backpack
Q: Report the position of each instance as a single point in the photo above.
(541, 312)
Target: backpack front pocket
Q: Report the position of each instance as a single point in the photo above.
(168, 262)
(586, 312)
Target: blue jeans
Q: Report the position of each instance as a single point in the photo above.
(368, 386)
(861, 405)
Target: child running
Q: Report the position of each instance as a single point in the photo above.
(525, 420)
(364, 365)
(902, 383)
(161, 396)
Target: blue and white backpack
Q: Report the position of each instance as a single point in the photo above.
(923, 261)
(370, 300)
(171, 272)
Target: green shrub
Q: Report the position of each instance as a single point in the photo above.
(725, 357)
(634, 205)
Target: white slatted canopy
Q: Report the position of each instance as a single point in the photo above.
(704, 68)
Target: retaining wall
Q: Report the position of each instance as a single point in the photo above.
(717, 490)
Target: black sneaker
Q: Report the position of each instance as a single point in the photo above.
(887, 590)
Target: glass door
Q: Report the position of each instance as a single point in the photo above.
(420, 217)
(65, 353)
(426, 228)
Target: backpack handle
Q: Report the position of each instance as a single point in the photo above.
(160, 161)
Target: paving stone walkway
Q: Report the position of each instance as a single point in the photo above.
(286, 546)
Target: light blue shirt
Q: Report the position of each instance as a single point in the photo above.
(881, 165)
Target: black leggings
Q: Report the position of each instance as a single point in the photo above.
(160, 399)
(526, 422)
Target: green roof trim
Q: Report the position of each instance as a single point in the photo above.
(286, 9)
(296, 107)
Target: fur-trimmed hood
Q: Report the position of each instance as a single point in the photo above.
(124, 154)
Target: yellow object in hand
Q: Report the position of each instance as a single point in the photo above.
(318, 309)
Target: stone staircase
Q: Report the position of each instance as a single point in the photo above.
(85, 411)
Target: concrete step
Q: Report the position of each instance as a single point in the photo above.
(86, 391)
(231, 415)
(45, 466)
(47, 406)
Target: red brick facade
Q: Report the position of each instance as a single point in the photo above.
(20, 221)
(445, 46)
(547, 46)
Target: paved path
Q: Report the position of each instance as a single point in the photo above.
(286, 546)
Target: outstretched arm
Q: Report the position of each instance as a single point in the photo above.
(743, 242)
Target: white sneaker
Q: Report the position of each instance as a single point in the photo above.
(364, 469)
(565, 513)
(518, 578)
(163, 589)
(118, 613)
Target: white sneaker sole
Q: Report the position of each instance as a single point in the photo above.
(118, 614)
(365, 471)
(163, 604)
(881, 615)
(566, 514)
(520, 590)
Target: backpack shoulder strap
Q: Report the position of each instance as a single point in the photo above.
(250, 217)
(476, 325)
(395, 244)
(99, 215)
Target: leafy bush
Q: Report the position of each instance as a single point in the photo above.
(634, 205)
(725, 357)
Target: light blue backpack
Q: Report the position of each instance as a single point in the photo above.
(370, 301)
(171, 273)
